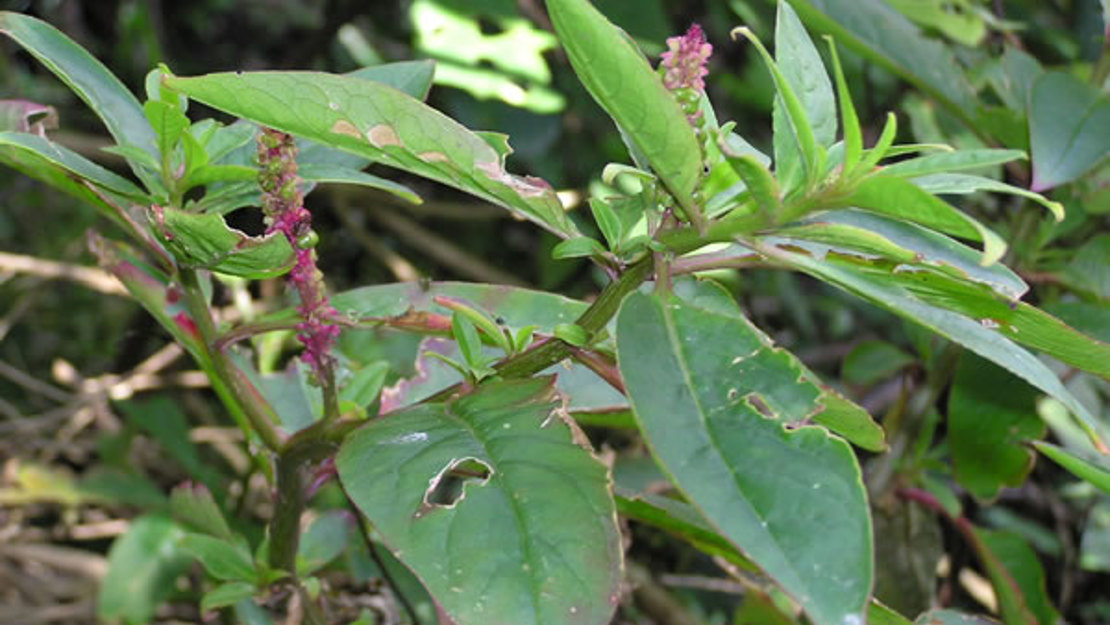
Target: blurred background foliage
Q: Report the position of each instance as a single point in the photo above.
(65, 420)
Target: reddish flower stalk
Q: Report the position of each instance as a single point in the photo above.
(283, 205)
(684, 62)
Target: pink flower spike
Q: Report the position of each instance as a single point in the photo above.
(684, 62)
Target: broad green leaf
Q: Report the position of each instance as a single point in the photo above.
(534, 541)
(620, 79)
(948, 162)
(945, 184)
(1069, 127)
(226, 594)
(980, 334)
(227, 560)
(86, 76)
(411, 77)
(991, 415)
(713, 401)
(142, 567)
(873, 361)
(876, 31)
(69, 161)
(1087, 271)
(1020, 561)
(205, 240)
(380, 123)
(365, 385)
(905, 243)
(1091, 467)
(902, 199)
(320, 174)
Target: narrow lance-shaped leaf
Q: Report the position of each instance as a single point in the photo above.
(797, 122)
(530, 536)
(979, 337)
(942, 184)
(383, 124)
(853, 135)
(619, 78)
(900, 198)
(879, 33)
(713, 401)
(86, 76)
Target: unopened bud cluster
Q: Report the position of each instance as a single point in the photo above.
(283, 206)
(684, 69)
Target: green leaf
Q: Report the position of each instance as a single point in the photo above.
(980, 334)
(947, 162)
(804, 71)
(193, 506)
(380, 123)
(879, 614)
(578, 247)
(682, 520)
(902, 199)
(325, 539)
(86, 76)
(905, 243)
(533, 542)
(759, 182)
(608, 222)
(853, 135)
(791, 124)
(1017, 558)
(142, 567)
(466, 335)
(323, 174)
(168, 122)
(226, 594)
(1011, 602)
(1092, 467)
(365, 385)
(991, 414)
(223, 559)
(411, 77)
(1069, 121)
(944, 184)
(64, 159)
(713, 401)
(620, 79)
(882, 35)
(873, 361)
(205, 240)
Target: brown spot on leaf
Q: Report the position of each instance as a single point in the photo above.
(382, 135)
(434, 157)
(344, 127)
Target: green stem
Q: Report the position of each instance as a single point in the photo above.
(249, 400)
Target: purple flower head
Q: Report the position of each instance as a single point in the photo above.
(684, 62)
(283, 204)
